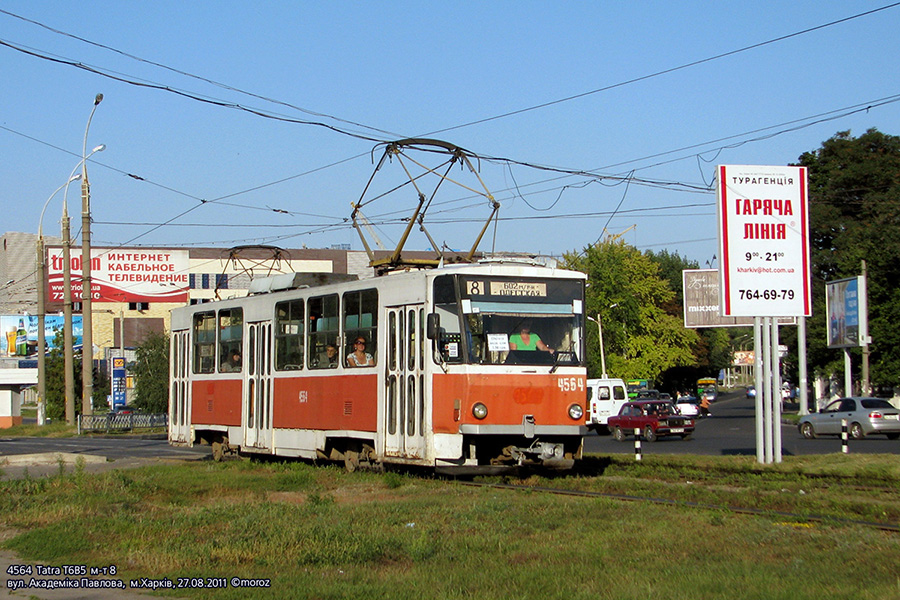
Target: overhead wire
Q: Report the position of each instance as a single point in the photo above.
(567, 172)
(667, 71)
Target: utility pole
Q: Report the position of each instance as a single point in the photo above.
(69, 350)
(87, 347)
(864, 342)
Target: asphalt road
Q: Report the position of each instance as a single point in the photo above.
(45, 456)
(732, 431)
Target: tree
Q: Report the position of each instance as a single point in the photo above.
(641, 339)
(713, 350)
(151, 374)
(55, 381)
(854, 208)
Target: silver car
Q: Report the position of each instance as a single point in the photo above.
(865, 416)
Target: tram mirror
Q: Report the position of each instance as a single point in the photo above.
(433, 326)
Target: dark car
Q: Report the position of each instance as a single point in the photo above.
(864, 416)
(654, 418)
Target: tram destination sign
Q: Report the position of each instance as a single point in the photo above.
(763, 241)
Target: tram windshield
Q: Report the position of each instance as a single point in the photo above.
(503, 320)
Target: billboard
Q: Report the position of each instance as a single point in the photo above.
(764, 241)
(845, 305)
(701, 302)
(20, 333)
(122, 275)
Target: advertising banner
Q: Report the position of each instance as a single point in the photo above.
(764, 241)
(845, 305)
(20, 333)
(118, 275)
(701, 302)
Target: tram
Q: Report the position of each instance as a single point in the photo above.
(441, 383)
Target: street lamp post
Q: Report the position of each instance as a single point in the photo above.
(42, 307)
(599, 323)
(69, 350)
(87, 348)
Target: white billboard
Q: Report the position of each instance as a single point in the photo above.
(701, 302)
(123, 275)
(764, 241)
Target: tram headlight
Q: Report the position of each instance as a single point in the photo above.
(576, 411)
(479, 410)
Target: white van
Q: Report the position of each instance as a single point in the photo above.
(604, 399)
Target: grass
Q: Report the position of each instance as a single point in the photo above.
(318, 532)
(55, 429)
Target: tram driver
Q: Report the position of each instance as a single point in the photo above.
(526, 340)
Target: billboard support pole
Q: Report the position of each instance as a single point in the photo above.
(848, 374)
(767, 389)
(801, 356)
(776, 394)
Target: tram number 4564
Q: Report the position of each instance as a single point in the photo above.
(570, 384)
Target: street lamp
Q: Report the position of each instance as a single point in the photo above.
(67, 297)
(599, 323)
(87, 348)
(42, 303)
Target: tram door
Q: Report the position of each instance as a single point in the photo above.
(180, 392)
(257, 403)
(404, 388)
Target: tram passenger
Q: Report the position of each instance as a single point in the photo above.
(526, 340)
(329, 358)
(233, 363)
(359, 357)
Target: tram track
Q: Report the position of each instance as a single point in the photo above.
(797, 518)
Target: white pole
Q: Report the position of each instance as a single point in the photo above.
(848, 376)
(776, 397)
(760, 391)
(767, 388)
(801, 355)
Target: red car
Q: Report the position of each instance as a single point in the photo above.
(655, 418)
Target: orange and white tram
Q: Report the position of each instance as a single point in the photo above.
(450, 384)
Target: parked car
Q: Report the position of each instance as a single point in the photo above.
(655, 418)
(865, 416)
(688, 406)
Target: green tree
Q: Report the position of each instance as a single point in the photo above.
(55, 380)
(713, 350)
(854, 208)
(151, 374)
(641, 339)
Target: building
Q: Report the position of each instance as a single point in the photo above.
(135, 287)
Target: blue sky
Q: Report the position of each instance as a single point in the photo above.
(405, 69)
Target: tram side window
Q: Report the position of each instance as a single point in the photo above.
(323, 330)
(231, 339)
(449, 341)
(289, 335)
(204, 337)
(361, 321)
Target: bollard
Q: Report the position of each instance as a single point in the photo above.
(844, 437)
(637, 444)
